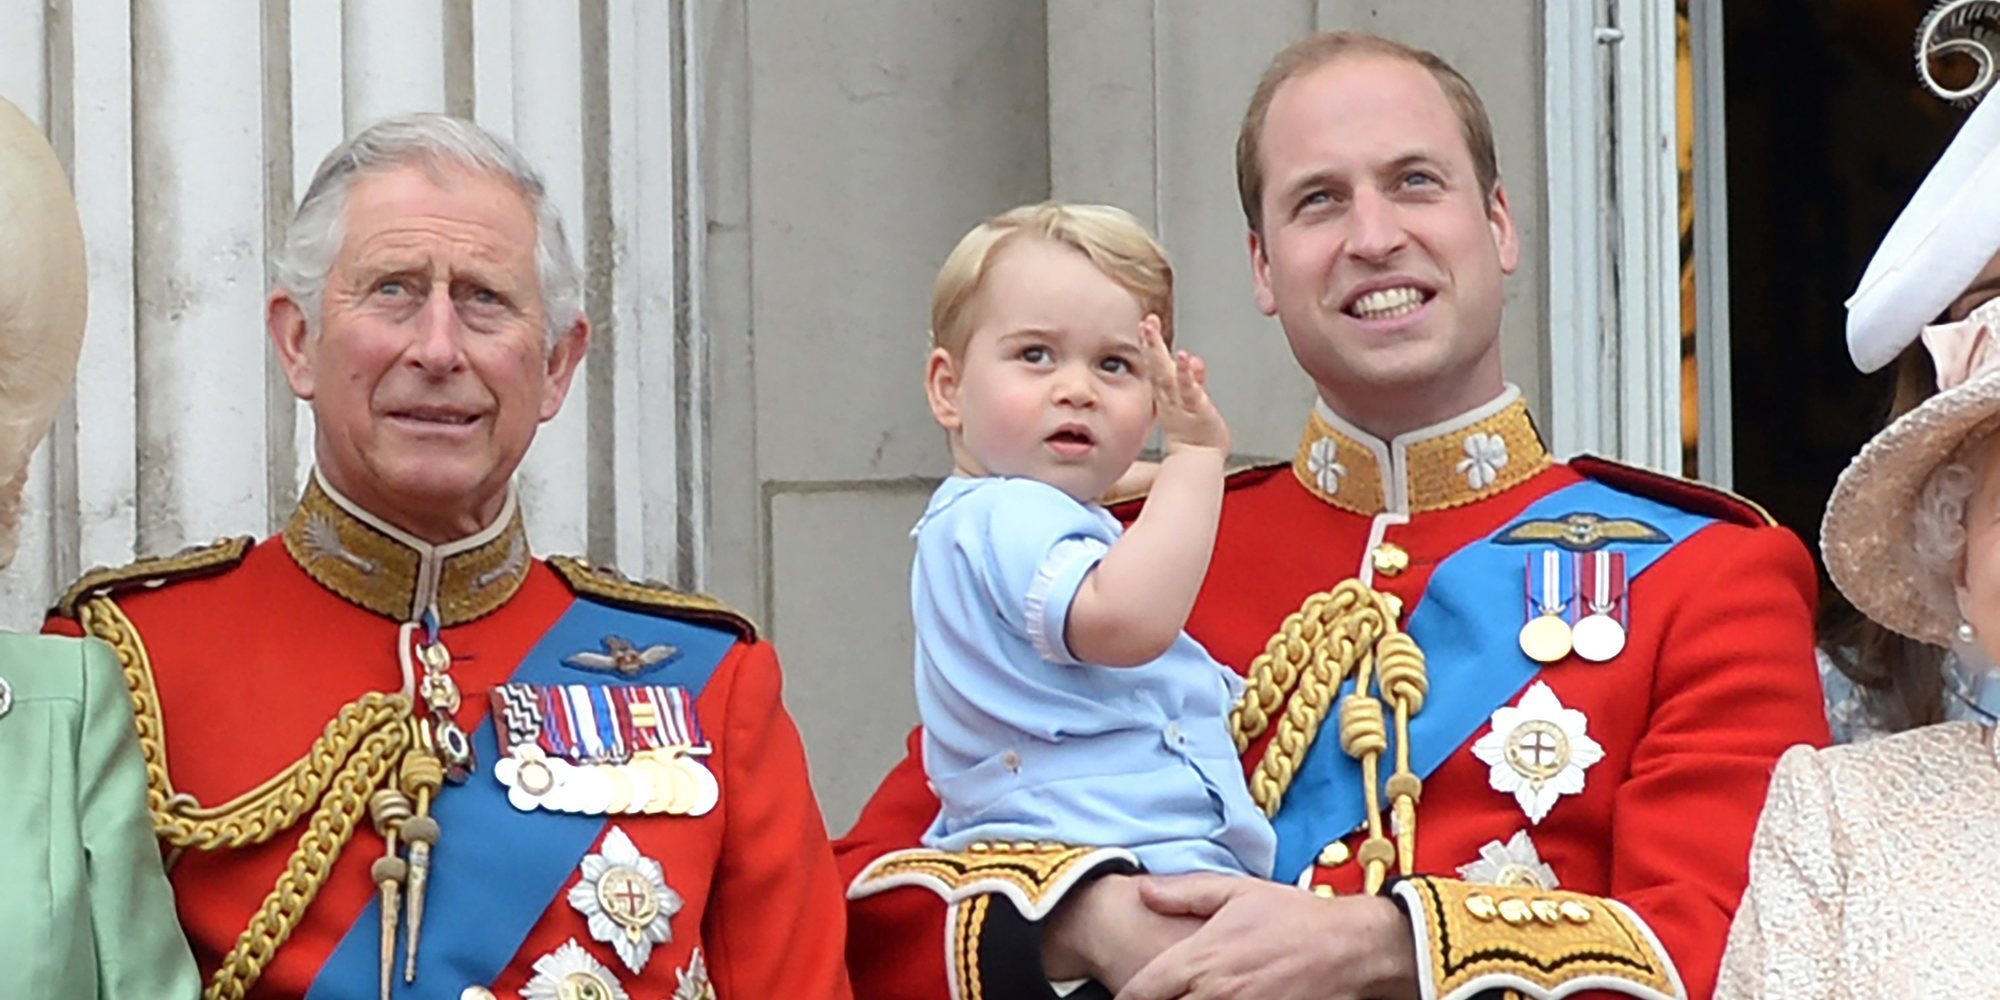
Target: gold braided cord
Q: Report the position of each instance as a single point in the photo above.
(359, 750)
(260, 813)
(1347, 632)
(1330, 641)
(1405, 683)
(1364, 736)
(102, 619)
(278, 804)
(1275, 672)
(333, 823)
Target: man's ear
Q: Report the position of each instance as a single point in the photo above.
(1506, 239)
(560, 368)
(285, 320)
(941, 384)
(1260, 272)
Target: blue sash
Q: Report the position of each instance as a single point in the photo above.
(496, 869)
(1467, 624)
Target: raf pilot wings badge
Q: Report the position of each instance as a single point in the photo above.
(1582, 532)
(621, 656)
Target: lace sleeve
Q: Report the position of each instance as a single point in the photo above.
(1784, 944)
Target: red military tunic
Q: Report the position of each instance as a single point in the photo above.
(1715, 681)
(242, 660)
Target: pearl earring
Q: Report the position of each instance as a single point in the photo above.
(1965, 632)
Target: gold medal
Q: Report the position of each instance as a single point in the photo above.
(1598, 638)
(705, 792)
(686, 789)
(667, 782)
(644, 786)
(1545, 638)
(621, 788)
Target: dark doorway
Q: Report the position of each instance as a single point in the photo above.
(1829, 133)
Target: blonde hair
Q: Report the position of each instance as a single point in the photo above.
(1117, 244)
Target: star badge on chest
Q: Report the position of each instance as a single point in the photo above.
(625, 899)
(1538, 751)
(569, 973)
(694, 982)
(1516, 863)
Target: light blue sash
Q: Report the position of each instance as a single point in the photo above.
(1467, 624)
(496, 869)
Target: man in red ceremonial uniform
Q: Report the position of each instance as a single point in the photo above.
(1512, 718)
(391, 753)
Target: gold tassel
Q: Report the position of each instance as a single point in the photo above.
(389, 809)
(422, 775)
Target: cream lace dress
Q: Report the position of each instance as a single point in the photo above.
(1870, 873)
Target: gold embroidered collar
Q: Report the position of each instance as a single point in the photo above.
(392, 573)
(1470, 457)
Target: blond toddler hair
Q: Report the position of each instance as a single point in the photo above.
(1116, 243)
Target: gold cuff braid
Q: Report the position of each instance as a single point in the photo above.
(968, 923)
(1033, 876)
(1543, 943)
(1349, 631)
(358, 752)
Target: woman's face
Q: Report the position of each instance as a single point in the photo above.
(1979, 586)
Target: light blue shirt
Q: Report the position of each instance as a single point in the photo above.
(1024, 742)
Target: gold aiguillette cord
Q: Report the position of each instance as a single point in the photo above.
(422, 776)
(389, 809)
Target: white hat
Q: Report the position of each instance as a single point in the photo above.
(1945, 236)
(1951, 227)
(42, 285)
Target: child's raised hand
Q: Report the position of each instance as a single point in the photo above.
(1188, 418)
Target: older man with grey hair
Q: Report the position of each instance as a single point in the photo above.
(393, 754)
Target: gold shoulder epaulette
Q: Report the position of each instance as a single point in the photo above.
(605, 584)
(1687, 494)
(153, 571)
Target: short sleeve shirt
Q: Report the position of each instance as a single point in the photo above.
(1024, 742)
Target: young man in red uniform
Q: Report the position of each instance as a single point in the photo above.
(390, 752)
(1512, 718)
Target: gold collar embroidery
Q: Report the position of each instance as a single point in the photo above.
(1471, 457)
(365, 560)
